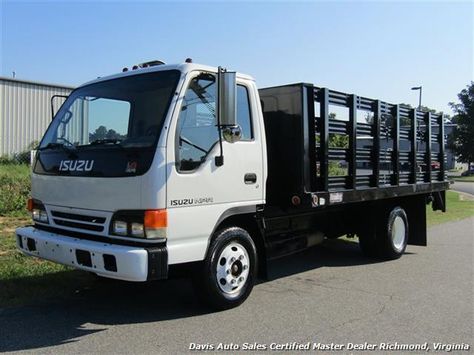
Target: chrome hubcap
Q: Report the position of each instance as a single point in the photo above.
(233, 268)
(398, 233)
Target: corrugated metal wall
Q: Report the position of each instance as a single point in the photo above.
(25, 112)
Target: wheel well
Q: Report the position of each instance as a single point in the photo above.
(249, 223)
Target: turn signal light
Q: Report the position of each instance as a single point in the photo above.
(156, 219)
(155, 224)
(29, 205)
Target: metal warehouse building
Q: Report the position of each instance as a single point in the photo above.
(25, 112)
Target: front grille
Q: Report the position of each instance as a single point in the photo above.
(88, 227)
(79, 221)
(78, 217)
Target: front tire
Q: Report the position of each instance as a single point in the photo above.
(228, 273)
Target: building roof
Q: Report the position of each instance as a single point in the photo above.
(31, 82)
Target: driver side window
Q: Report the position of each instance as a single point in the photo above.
(197, 123)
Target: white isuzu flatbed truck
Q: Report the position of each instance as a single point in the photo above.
(168, 165)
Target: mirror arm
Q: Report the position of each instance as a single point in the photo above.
(219, 160)
(52, 103)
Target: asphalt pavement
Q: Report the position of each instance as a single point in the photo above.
(467, 187)
(329, 294)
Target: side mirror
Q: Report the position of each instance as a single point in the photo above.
(226, 110)
(227, 98)
(53, 98)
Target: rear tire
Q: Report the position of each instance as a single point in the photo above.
(227, 275)
(388, 239)
(392, 235)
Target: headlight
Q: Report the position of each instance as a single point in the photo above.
(36, 214)
(136, 230)
(43, 216)
(38, 211)
(149, 224)
(120, 228)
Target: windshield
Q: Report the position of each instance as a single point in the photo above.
(127, 112)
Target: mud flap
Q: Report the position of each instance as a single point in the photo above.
(416, 213)
(439, 201)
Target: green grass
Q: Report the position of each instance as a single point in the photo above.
(457, 207)
(24, 280)
(14, 169)
(464, 178)
(14, 189)
(13, 264)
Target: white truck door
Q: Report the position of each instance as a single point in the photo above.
(198, 191)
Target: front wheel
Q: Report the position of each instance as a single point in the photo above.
(227, 275)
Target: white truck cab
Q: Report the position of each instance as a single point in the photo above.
(187, 164)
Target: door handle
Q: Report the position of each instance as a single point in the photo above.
(250, 178)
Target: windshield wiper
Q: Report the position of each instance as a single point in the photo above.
(114, 141)
(105, 141)
(54, 145)
(187, 141)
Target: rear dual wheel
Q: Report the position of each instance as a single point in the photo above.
(388, 238)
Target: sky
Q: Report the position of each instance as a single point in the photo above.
(376, 49)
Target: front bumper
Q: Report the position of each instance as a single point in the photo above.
(109, 260)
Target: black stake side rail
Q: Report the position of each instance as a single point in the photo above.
(403, 145)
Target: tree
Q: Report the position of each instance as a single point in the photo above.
(420, 108)
(102, 132)
(461, 141)
(111, 134)
(338, 141)
(99, 133)
(426, 109)
(406, 122)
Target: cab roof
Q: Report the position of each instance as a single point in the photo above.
(183, 68)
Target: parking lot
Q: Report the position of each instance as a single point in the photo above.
(330, 294)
